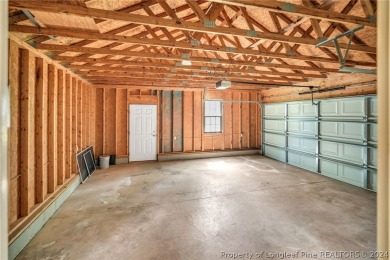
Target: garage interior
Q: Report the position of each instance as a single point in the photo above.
(232, 127)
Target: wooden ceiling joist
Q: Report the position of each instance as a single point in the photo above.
(179, 66)
(268, 42)
(210, 74)
(300, 10)
(169, 44)
(136, 72)
(128, 54)
(176, 24)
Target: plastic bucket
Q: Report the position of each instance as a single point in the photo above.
(104, 161)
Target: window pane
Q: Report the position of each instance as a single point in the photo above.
(213, 116)
(218, 109)
(213, 108)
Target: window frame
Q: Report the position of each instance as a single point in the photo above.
(204, 116)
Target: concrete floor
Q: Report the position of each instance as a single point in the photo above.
(198, 209)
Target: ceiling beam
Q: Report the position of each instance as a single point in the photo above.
(175, 71)
(172, 23)
(300, 10)
(136, 72)
(127, 53)
(170, 44)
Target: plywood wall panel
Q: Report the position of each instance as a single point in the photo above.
(14, 89)
(109, 121)
(254, 118)
(83, 116)
(14, 133)
(167, 121)
(208, 142)
(68, 126)
(92, 118)
(61, 155)
(41, 128)
(52, 132)
(136, 99)
(245, 117)
(228, 120)
(41, 132)
(27, 133)
(177, 121)
(121, 122)
(99, 128)
(236, 117)
(188, 119)
(181, 120)
(14, 200)
(79, 116)
(74, 122)
(198, 121)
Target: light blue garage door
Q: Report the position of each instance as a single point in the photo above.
(336, 138)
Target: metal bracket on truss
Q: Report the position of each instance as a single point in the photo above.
(343, 58)
(35, 22)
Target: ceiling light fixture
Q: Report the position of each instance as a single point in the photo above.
(223, 84)
(186, 63)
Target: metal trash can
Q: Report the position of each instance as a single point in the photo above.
(104, 161)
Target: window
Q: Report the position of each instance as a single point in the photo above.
(213, 116)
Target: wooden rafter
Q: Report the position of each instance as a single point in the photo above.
(282, 7)
(222, 39)
(182, 25)
(153, 42)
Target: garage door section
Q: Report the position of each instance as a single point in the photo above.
(336, 138)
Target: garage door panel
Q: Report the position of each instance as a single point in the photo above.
(302, 161)
(353, 107)
(372, 157)
(275, 139)
(372, 180)
(345, 130)
(352, 175)
(344, 152)
(373, 107)
(336, 138)
(275, 125)
(343, 172)
(303, 127)
(275, 110)
(329, 108)
(301, 109)
(302, 144)
(329, 169)
(275, 153)
(373, 133)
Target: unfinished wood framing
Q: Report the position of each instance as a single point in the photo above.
(41, 137)
(180, 116)
(52, 133)
(40, 134)
(75, 91)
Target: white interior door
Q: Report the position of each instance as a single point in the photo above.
(143, 133)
